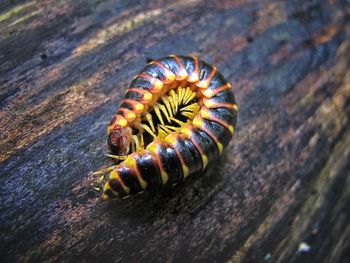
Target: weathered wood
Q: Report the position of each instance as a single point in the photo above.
(283, 180)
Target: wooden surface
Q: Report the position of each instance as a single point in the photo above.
(283, 180)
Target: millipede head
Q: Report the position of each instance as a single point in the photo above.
(119, 139)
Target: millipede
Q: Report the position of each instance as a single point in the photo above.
(176, 117)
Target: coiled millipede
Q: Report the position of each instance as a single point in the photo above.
(176, 117)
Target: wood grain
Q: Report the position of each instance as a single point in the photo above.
(283, 180)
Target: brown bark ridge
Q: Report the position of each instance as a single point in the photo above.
(280, 193)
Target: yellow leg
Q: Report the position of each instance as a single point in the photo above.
(136, 143)
(159, 115)
(188, 95)
(172, 127)
(150, 121)
(168, 104)
(148, 129)
(175, 98)
(164, 110)
(193, 95)
(165, 129)
(117, 157)
(161, 133)
(180, 95)
(178, 121)
(142, 143)
(104, 171)
(173, 104)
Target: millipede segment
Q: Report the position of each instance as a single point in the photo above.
(176, 117)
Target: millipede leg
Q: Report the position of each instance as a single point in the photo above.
(150, 121)
(164, 128)
(142, 142)
(161, 133)
(104, 171)
(176, 101)
(168, 105)
(189, 95)
(117, 157)
(148, 129)
(159, 115)
(164, 110)
(136, 142)
(180, 95)
(173, 103)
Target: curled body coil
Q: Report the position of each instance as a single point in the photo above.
(176, 117)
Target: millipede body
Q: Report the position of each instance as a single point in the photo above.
(176, 117)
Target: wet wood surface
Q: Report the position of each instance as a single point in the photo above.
(280, 193)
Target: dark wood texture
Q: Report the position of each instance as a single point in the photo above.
(283, 180)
